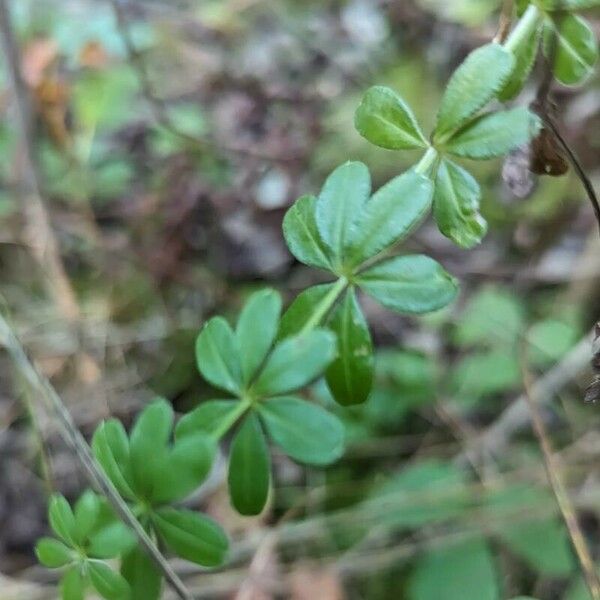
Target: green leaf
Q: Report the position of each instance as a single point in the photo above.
(550, 340)
(72, 585)
(493, 317)
(522, 6)
(302, 309)
(256, 330)
(184, 468)
(407, 375)
(145, 580)
(210, 416)
(86, 513)
(350, 375)
(476, 81)
(295, 362)
(192, 536)
(249, 468)
(389, 216)
(484, 374)
(384, 119)
(302, 235)
(525, 53)
(52, 553)
(111, 541)
(61, 519)
(578, 590)
(304, 431)
(456, 205)
(544, 545)
(340, 203)
(111, 449)
(108, 583)
(426, 493)
(218, 357)
(148, 445)
(103, 98)
(464, 571)
(409, 284)
(572, 43)
(494, 134)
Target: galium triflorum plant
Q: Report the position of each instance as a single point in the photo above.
(263, 364)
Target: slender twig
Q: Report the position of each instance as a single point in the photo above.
(552, 466)
(577, 167)
(544, 107)
(82, 451)
(496, 437)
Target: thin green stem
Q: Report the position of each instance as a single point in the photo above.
(325, 305)
(525, 28)
(427, 161)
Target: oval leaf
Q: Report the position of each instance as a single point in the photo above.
(184, 468)
(464, 571)
(426, 493)
(213, 417)
(409, 284)
(339, 205)
(304, 431)
(86, 513)
(249, 468)
(72, 585)
(350, 375)
(256, 330)
(52, 553)
(111, 449)
(572, 43)
(218, 357)
(192, 536)
(476, 81)
(456, 205)
(302, 235)
(148, 446)
(111, 541)
(544, 545)
(302, 309)
(108, 583)
(393, 211)
(295, 362)
(386, 120)
(61, 519)
(145, 580)
(495, 134)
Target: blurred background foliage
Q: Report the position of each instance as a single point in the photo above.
(170, 143)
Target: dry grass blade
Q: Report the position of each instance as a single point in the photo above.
(558, 488)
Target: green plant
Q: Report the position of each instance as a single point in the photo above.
(351, 234)
(151, 474)
(87, 537)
